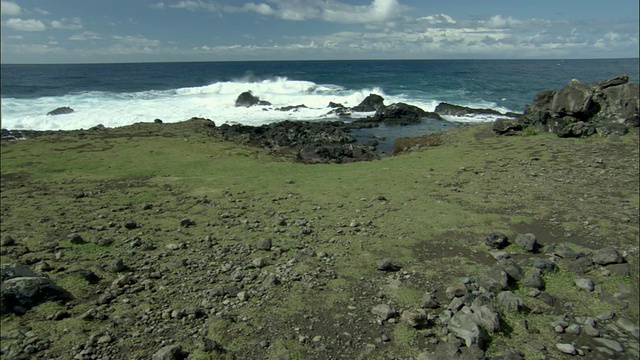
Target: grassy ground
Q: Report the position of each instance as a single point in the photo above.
(427, 209)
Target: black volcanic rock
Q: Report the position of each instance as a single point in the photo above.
(579, 110)
(402, 114)
(247, 99)
(371, 103)
(457, 110)
(61, 111)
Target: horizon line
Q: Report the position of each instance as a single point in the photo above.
(318, 60)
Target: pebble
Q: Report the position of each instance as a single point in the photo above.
(586, 284)
(566, 348)
(611, 344)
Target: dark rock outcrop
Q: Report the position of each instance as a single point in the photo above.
(402, 114)
(311, 142)
(506, 126)
(247, 99)
(457, 110)
(61, 111)
(578, 110)
(20, 294)
(292, 107)
(371, 103)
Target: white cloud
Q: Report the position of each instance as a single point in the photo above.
(263, 9)
(67, 24)
(195, 5)
(328, 10)
(158, 6)
(26, 25)
(138, 40)
(85, 36)
(42, 11)
(10, 8)
(437, 19)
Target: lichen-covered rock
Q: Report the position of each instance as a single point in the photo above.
(20, 294)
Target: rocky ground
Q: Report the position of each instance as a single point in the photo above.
(165, 241)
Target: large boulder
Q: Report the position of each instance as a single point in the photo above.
(575, 99)
(540, 108)
(247, 99)
(618, 103)
(577, 110)
(371, 103)
(507, 126)
(20, 294)
(402, 114)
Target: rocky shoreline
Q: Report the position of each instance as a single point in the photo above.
(170, 241)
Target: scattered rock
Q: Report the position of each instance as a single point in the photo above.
(527, 242)
(566, 348)
(170, 352)
(384, 311)
(263, 244)
(186, 222)
(416, 318)
(606, 256)
(586, 284)
(508, 301)
(7, 240)
(387, 265)
(496, 240)
(533, 279)
(20, 294)
(463, 326)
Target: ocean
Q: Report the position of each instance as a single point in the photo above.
(121, 94)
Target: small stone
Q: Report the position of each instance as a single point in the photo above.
(7, 240)
(384, 311)
(527, 242)
(429, 301)
(533, 279)
(117, 266)
(586, 284)
(590, 330)
(606, 315)
(76, 239)
(243, 296)
(611, 344)
(263, 244)
(573, 329)
(130, 224)
(186, 222)
(628, 326)
(496, 240)
(456, 290)
(606, 256)
(499, 254)
(509, 301)
(259, 263)
(170, 352)
(566, 348)
(619, 269)
(415, 318)
(387, 265)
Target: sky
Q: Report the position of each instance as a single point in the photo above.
(105, 31)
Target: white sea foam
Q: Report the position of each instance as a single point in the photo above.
(215, 101)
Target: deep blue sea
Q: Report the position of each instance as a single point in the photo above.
(121, 94)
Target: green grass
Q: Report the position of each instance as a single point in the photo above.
(438, 205)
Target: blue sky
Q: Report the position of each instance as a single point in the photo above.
(85, 31)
